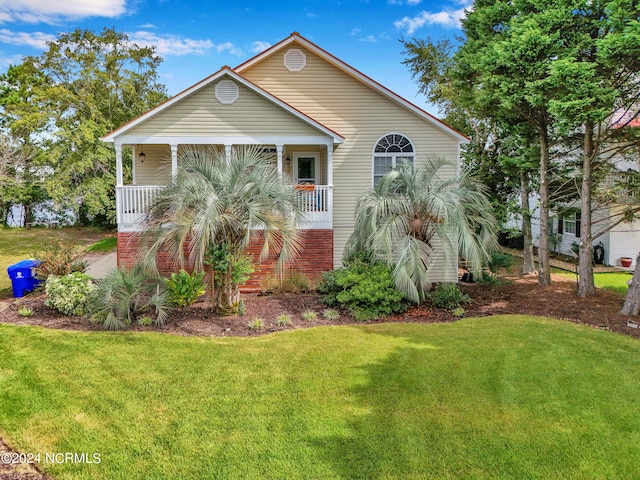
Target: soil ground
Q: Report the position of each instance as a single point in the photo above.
(514, 294)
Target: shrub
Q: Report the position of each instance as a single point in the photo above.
(256, 324)
(283, 320)
(500, 261)
(458, 312)
(366, 291)
(25, 312)
(289, 282)
(185, 288)
(125, 296)
(309, 315)
(448, 296)
(331, 314)
(58, 259)
(69, 295)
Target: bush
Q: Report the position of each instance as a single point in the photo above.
(256, 324)
(289, 282)
(500, 261)
(25, 312)
(58, 259)
(309, 315)
(70, 294)
(448, 296)
(366, 291)
(283, 320)
(331, 314)
(185, 288)
(126, 296)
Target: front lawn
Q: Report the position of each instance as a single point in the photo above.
(496, 397)
(614, 281)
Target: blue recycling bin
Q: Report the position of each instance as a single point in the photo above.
(23, 277)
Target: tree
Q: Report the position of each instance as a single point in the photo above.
(214, 207)
(419, 213)
(85, 85)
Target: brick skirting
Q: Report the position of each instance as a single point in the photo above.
(316, 256)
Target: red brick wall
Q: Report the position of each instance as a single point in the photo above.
(316, 256)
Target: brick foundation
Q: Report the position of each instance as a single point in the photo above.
(316, 256)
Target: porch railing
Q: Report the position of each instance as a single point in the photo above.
(133, 202)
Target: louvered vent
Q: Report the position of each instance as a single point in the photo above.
(227, 92)
(295, 60)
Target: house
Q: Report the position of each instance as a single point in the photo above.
(329, 125)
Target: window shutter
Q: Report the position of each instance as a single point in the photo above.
(560, 225)
(578, 219)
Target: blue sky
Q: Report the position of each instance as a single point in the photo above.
(197, 38)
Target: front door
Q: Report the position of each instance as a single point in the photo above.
(306, 168)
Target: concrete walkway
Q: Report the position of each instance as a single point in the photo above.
(98, 268)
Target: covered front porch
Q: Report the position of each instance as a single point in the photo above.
(153, 164)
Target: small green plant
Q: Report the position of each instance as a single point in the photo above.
(256, 324)
(125, 296)
(58, 259)
(364, 290)
(145, 320)
(25, 312)
(458, 312)
(448, 296)
(309, 315)
(289, 282)
(184, 288)
(500, 261)
(283, 320)
(331, 314)
(242, 308)
(69, 294)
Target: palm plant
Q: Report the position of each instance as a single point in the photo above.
(215, 206)
(418, 213)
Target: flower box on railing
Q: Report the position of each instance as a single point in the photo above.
(305, 188)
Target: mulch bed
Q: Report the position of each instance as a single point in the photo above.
(521, 295)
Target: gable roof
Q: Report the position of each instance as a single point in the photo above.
(222, 73)
(295, 37)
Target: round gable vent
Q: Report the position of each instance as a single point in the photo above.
(227, 92)
(295, 60)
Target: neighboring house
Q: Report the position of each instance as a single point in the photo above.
(328, 125)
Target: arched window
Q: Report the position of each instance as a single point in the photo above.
(390, 150)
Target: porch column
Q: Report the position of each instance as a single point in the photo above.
(174, 160)
(133, 165)
(227, 153)
(119, 180)
(279, 149)
(330, 165)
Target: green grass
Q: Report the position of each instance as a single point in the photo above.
(19, 244)
(614, 281)
(501, 397)
(108, 244)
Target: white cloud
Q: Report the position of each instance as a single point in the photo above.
(445, 18)
(148, 25)
(355, 31)
(52, 11)
(37, 40)
(13, 60)
(229, 48)
(171, 44)
(259, 46)
(369, 38)
(403, 2)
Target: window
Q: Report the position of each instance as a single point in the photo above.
(570, 224)
(391, 150)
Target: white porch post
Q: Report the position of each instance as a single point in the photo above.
(133, 165)
(174, 160)
(330, 165)
(279, 149)
(227, 153)
(119, 179)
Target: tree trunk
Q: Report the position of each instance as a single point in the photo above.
(544, 273)
(27, 215)
(586, 285)
(528, 265)
(227, 294)
(632, 301)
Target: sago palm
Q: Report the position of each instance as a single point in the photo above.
(417, 214)
(220, 203)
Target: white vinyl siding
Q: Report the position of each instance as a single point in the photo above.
(201, 114)
(356, 111)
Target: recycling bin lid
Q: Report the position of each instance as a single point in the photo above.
(23, 264)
